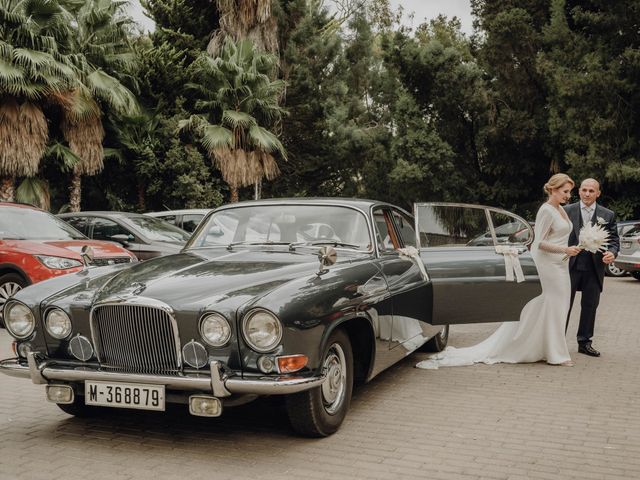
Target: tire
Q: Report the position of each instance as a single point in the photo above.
(611, 270)
(319, 412)
(80, 410)
(10, 283)
(438, 342)
(636, 275)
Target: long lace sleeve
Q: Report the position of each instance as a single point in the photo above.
(544, 221)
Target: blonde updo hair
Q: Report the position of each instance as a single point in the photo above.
(556, 181)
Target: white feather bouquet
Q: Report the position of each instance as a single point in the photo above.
(592, 238)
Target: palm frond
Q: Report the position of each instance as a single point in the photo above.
(34, 191)
(237, 119)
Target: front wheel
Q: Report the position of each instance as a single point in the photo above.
(612, 271)
(636, 275)
(320, 412)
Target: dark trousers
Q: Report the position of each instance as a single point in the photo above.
(586, 282)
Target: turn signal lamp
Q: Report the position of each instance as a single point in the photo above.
(292, 363)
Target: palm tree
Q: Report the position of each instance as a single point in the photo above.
(245, 19)
(101, 36)
(33, 67)
(237, 101)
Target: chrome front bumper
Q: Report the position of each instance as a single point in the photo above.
(219, 383)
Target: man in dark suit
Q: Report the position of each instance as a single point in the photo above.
(587, 269)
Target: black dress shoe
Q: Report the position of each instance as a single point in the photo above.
(587, 349)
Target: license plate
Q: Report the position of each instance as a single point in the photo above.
(124, 395)
(625, 244)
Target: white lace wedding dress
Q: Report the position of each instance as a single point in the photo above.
(540, 333)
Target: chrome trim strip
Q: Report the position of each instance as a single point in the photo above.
(217, 384)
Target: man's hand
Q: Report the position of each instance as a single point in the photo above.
(608, 257)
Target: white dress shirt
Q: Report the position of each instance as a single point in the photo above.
(587, 212)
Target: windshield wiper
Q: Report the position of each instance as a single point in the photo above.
(233, 244)
(335, 243)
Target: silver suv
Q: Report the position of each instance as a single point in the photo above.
(629, 257)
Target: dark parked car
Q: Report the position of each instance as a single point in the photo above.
(187, 219)
(144, 236)
(296, 297)
(35, 246)
(613, 270)
(628, 258)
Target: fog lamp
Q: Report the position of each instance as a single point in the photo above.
(23, 349)
(266, 364)
(205, 406)
(60, 394)
(292, 363)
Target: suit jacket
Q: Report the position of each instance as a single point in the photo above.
(609, 217)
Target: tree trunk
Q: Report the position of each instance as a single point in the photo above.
(141, 201)
(234, 194)
(75, 192)
(7, 189)
(257, 190)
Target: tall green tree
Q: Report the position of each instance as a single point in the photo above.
(235, 100)
(34, 67)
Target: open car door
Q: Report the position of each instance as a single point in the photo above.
(473, 255)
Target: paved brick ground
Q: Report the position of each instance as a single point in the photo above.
(510, 422)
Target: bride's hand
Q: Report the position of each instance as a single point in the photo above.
(572, 251)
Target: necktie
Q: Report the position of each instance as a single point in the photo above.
(586, 215)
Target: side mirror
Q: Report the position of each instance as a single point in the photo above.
(122, 238)
(87, 255)
(327, 257)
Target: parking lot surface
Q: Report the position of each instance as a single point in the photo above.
(512, 422)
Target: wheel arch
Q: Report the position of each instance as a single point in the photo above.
(12, 268)
(361, 336)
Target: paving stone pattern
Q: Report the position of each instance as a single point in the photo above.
(511, 422)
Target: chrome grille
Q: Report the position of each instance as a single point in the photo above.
(136, 338)
(102, 261)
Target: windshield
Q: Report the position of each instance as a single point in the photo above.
(303, 224)
(159, 230)
(18, 223)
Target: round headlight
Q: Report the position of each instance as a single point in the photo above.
(58, 323)
(262, 330)
(215, 329)
(19, 320)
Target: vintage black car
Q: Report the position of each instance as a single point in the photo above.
(294, 297)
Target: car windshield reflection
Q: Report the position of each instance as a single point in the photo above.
(27, 224)
(286, 225)
(160, 231)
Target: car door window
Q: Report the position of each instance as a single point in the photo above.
(510, 230)
(190, 222)
(452, 226)
(385, 234)
(169, 219)
(404, 223)
(104, 229)
(79, 223)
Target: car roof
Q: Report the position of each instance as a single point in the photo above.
(98, 213)
(184, 211)
(362, 204)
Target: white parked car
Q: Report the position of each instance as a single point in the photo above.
(187, 219)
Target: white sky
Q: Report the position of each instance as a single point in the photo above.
(423, 9)
(428, 9)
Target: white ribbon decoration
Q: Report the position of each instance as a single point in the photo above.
(511, 263)
(414, 255)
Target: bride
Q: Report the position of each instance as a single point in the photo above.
(540, 333)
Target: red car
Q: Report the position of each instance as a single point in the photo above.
(35, 246)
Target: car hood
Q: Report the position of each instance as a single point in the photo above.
(67, 248)
(195, 280)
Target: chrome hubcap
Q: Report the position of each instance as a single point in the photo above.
(335, 369)
(615, 270)
(7, 290)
